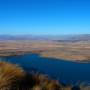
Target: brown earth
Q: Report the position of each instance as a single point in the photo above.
(74, 51)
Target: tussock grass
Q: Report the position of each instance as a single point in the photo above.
(10, 75)
(13, 77)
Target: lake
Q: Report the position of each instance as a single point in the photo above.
(64, 71)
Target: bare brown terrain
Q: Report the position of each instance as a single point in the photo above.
(74, 51)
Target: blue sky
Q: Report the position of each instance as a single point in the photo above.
(44, 17)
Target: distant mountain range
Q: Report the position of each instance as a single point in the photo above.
(80, 37)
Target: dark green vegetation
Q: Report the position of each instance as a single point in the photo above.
(13, 77)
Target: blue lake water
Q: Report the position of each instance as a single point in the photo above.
(65, 71)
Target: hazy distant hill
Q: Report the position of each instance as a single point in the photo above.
(31, 37)
(81, 37)
(18, 37)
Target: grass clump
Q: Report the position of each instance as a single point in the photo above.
(13, 77)
(10, 76)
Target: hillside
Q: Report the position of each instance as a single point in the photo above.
(13, 77)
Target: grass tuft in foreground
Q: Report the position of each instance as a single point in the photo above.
(13, 77)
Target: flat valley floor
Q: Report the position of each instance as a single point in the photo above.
(67, 50)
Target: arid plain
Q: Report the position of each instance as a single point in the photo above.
(67, 50)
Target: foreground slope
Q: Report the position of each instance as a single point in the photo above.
(13, 77)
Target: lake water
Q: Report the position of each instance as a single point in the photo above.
(65, 71)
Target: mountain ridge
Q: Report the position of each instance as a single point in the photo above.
(46, 37)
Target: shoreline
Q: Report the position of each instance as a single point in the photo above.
(18, 53)
(75, 52)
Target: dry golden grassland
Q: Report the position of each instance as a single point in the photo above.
(75, 51)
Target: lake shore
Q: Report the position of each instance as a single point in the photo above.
(72, 69)
(76, 52)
